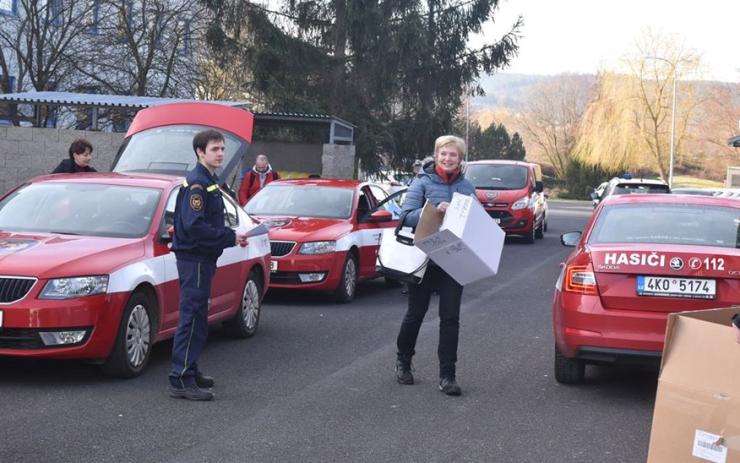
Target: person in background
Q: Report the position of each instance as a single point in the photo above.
(80, 155)
(256, 178)
(436, 183)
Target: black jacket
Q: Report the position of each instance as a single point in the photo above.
(68, 166)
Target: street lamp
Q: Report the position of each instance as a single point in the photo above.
(673, 118)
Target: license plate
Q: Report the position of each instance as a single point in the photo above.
(273, 266)
(692, 288)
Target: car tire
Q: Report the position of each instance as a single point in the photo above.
(133, 344)
(531, 235)
(568, 370)
(246, 320)
(347, 288)
(539, 232)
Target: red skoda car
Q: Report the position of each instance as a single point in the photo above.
(324, 233)
(87, 272)
(640, 258)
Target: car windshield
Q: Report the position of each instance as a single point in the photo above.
(79, 209)
(629, 188)
(496, 176)
(302, 201)
(169, 149)
(669, 224)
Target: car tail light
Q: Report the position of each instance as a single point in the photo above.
(580, 279)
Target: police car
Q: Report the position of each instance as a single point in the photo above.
(639, 258)
(324, 233)
(87, 273)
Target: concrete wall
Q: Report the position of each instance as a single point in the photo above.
(285, 157)
(26, 152)
(338, 161)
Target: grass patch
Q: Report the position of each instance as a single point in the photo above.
(686, 181)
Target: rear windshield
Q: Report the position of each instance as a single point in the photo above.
(629, 188)
(497, 176)
(668, 224)
(169, 149)
(302, 201)
(79, 209)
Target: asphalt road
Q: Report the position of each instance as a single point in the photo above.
(317, 384)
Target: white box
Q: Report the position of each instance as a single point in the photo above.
(466, 243)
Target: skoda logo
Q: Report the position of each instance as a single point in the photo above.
(676, 263)
(491, 195)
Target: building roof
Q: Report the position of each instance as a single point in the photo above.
(339, 130)
(92, 99)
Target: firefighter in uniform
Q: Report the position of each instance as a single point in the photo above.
(200, 236)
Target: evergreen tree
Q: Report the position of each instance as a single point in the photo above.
(395, 69)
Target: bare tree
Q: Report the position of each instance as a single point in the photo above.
(147, 47)
(628, 124)
(552, 116)
(44, 43)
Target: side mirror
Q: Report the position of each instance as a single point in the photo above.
(538, 186)
(570, 239)
(379, 217)
(594, 196)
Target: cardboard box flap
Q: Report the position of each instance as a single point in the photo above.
(430, 221)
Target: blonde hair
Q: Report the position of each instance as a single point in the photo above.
(445, 140)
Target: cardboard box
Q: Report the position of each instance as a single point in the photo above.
(697, 408)
(465, 242)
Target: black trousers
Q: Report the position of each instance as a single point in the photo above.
(450, 294)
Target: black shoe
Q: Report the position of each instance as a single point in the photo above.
(203, 381)
(449, 386)
(190, 393)
(403, 370)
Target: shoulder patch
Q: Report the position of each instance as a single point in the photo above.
(196, 202)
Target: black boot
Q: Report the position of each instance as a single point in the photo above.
(203, 381)
(403, 369)
(449, 386)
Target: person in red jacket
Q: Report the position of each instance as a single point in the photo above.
(256, 178)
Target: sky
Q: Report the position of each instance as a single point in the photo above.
(585, 36)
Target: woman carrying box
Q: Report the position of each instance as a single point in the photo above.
(436, 183)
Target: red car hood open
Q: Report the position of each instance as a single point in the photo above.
(302, 229)
(53, 256)
(499, 196)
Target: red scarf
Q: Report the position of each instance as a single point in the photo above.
(447, 178)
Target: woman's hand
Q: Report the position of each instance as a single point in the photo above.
(442, 207)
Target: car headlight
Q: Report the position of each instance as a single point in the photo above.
(68, 288)
(318, 247)
(521, 203)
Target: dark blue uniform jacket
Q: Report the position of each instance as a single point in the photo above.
(200, 231)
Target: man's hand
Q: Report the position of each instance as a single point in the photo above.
(241, 239)
(442, 207)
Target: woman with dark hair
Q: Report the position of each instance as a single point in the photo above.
(80, 155)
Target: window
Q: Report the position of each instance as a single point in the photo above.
(186, 37)
(9, 7)
(231, 217)
(10, 81)
(92, 17)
